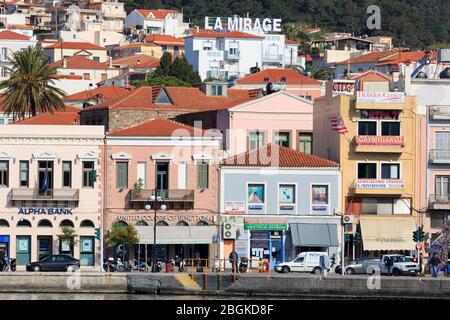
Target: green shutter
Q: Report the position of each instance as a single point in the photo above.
(202, 175)
(122, 174)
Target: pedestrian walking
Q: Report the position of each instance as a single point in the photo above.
(323, 263)
(435, 263)
(389, 263)
(233, 257)
(420, 263)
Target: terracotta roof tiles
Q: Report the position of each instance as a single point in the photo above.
(57, 118)
(75, 45)
(80, 62)
(107, 92)
(11, 35)
(275, 75)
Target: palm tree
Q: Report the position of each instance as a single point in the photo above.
(30, 86)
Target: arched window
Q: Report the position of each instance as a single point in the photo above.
(4, 223)
(202, 223)
(45, 223)
(66, 223)
(182, 224)
(24, 223)
(162, 224)
(87, 224)
(122, 224)
(141, 223)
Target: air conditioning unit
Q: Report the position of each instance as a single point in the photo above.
(348, 228)
(229, 229)
(347, 219)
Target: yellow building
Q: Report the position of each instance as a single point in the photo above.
(377, 153)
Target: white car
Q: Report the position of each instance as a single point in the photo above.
(304, 262)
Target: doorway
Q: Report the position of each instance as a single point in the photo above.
(44, 246)
(162, 178)
(45, 178)
(23, 250)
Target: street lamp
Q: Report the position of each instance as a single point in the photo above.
(156, 200)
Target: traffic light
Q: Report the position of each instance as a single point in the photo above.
(357, 238)
(421, 235)
(416, 236)
(97, 233)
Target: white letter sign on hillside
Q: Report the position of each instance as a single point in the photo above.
(244, 24)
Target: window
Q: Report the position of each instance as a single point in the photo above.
(96, 59)
(202, 175)
(386, 206)
(390, 128)
(88, 167)
(4, 167)
(234, 51)
(86, 76)
(441, 187)
(4, 72)
(216, 90)
(305, 142)
(283, 139)
(367, 170)
(390, 171)
(367, 128)
(164, 48)
(24, 173)
(67, 174)
(122, 175)
(4, 54)
(255, 194)
(319, 197)
(287, 194)
(256, 140)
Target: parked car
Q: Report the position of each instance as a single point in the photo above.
(357, 266)
(401, 265)
(59, 262)
(304, 262)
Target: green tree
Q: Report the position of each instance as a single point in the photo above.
(182, 70)
(167, 81)
(122, 235)
(68, 234)
(165, 65)
(30, 90)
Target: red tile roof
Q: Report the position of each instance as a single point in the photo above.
(10, 35)
(371, 57)
(137, 45)
(57, 118)
(162, 128)
(230, 34)
(135, 59)
(275, 75)
(80, 62)
(75, 45)
(182, 99)
(287, 41)
(401, 57)
(372, 75)
(159, 14)
(107, 92)
(162, 39)
(273, 155)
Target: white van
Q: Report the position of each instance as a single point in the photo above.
(304, 262)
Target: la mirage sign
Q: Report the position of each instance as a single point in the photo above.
(243, 24)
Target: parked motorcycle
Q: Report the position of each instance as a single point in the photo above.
(243, 265)
(142, 265)
(13, 265)
(109, 265)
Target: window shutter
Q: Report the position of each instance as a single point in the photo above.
(122, 175)
(202, 175)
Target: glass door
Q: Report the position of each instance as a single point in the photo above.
(44, 246)
(23, 250)
(45, 176)
(162, 178)
(87, 251)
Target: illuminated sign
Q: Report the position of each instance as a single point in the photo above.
(379, 183)
(243, 24)
(380, 97)
(379, 140)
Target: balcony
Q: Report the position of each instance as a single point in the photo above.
(273, 58)
(176, 199)
(232, 56)
(378, 186)
(440, 113)
(440, 156)
(384, 144)
(439, 202)
(52, 197)
(221, 75)
(114, 15)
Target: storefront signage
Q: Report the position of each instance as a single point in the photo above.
(165, 218)
(379, 140)
(265, 226)
(243, 24)
(320, 208)
(380, 97)
(255, 206)
(379, 183)
(46, 211)
(343, 87)
(235, 207)
(389, 240)
(379, 114)
(287, 207)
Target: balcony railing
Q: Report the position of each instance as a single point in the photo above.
(272, 58)
(440, 112)
(172, 198)
(221, 75)
(21, 196)
(439, 201)
(440, 156)
(232, 56)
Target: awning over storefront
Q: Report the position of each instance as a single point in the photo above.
(314, 234)
(177, 234)
(387, 233)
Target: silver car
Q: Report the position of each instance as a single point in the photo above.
(358, 266)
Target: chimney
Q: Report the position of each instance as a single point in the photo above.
(64, 62)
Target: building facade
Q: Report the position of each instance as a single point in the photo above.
(45, 184)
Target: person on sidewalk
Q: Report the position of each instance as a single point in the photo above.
(233, 257)
(389, 264)
(435, 263)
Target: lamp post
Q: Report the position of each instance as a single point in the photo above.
(156, 200)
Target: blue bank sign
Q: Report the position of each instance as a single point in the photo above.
(46, 211)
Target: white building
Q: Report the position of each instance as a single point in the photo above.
(168, 22)
(231, 55)
(11, 42)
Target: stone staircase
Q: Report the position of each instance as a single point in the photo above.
(187, 282)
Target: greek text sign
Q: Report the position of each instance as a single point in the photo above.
(379, 140)
(46, 211)
(236, 207)
(243, 24)
(165, 218)
(380, 97)
(379, 114)
(379, 183)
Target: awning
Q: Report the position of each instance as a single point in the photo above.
(314, 234)
(177, 234)
(387, 233)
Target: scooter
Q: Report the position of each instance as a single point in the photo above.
(243, 265)
(182, 266)
(109, 265)
(13, 265)
(142, 265)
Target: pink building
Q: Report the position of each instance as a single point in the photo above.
(280, 118)
(177, 163)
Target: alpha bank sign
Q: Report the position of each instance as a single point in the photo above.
(243, 24)
(45, 211)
